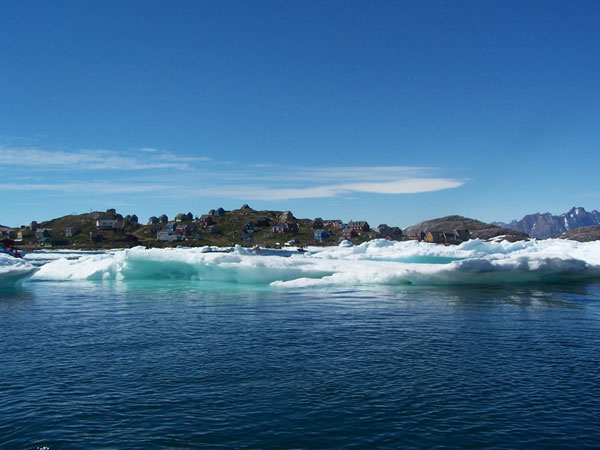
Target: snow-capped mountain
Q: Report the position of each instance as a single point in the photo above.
(542, 226)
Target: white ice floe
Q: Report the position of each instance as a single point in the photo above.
(13, 270)
(374, 262)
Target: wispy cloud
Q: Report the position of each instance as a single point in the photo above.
(406, 186)
(100, 159)
(95, 188)
(202, 177)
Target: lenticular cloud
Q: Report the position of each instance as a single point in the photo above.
(377, 262)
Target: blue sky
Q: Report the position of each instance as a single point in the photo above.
(392, 112)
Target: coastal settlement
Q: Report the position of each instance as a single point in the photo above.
(218, 227)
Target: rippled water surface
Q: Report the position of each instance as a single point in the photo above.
(166, 364)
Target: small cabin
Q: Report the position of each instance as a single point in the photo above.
(333, 223)
(435, 237)
(168, 236)
(389, 233)
(71, 231)
(171, 226)
(106, 223)
(321, 235)
(43, 233)
(358, 226)
(184, 229)
(206, 219)
(349, 233)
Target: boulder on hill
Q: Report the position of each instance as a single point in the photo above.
(478, 230)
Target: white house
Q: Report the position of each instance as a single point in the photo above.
(106, 224)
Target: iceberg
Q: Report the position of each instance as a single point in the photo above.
(13, 270)
(378, 262)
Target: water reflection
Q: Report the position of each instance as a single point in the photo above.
(15, 297)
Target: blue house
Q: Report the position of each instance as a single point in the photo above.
(321, 235)
(171, 226)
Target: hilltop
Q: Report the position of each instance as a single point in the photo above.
(582, 234)
(477, 229)
(245, 226)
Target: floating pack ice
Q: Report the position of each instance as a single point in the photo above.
(13, 270)
(374, 262)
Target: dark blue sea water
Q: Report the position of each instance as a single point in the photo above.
(170, 365)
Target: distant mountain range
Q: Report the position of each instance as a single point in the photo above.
(543, 226)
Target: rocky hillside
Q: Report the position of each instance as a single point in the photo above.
(543, 226)
(478, 230)
(583, 234)
(244, 226)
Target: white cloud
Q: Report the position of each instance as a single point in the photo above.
(261, 181)
(97, 188)
(406, 186)
(87, 159)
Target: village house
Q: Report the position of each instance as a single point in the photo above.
(358, 226)
(447, 237)
(206, 219)
(71, 231)
(170, 226)
(285, 228)
(435, 237)
(152, 220)
(43, 233)
(279, 229)
(333, 223)
(183, 217)
(321, 235)
(183, 229)
(318, 224)
(108, 223)
(286, 216)
(168, 236)
(163, 218)
(389, 233)
(349, 233)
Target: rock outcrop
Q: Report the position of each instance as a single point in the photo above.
(478, 230)
(583, 234)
